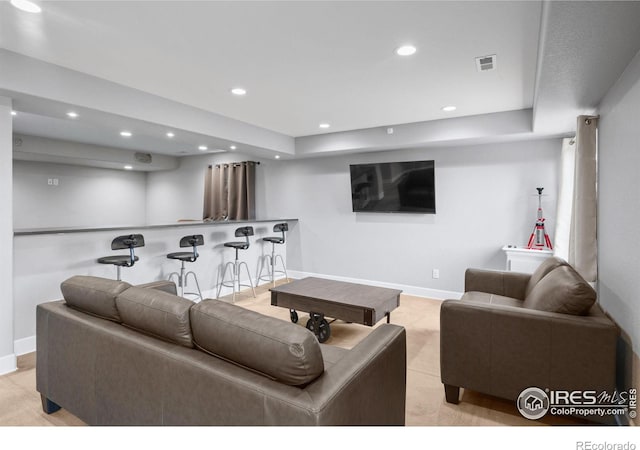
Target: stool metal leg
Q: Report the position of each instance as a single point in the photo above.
(235, 271)
(284, 268)
(119, 274)
(248, 275)
(195, 278)
(268, 265)
(222, 282)
(271, 267)
(182, 281)
(177, 275)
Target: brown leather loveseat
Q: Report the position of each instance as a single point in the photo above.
(115, 354)
(511, 331)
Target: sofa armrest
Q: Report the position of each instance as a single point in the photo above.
(162, 285)
(368, 385)
(501, 350)
(508, 284)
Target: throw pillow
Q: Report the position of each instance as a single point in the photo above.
(563, 290)
(543, 269)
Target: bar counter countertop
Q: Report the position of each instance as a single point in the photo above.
(185, 223)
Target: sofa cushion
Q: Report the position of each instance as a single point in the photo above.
(562, 290)
(157, 313)
(490, 299)
(543, 269)
(94, 295)
(278, 349)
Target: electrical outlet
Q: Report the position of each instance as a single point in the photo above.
(435, 273)
(53, 181)
(50, 181)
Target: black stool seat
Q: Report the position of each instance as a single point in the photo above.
(118, 260)
(183, 256)
(237, 245)
(274, 239)
(128, 241)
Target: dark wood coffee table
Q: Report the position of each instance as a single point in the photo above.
(351, 302)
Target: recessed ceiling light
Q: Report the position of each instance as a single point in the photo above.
(406, 50)
(128, 167)
(449, 108)
(277, 156)
(26, 5)
(13, 113)
(72, 114)
(202, 148)
(125, 133)
(170, 134)
(238, 91)
(232, 147)
(324, 125)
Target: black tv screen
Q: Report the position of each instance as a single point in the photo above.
(400, 187)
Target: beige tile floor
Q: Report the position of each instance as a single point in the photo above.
(20, 402)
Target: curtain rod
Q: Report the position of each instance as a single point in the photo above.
(236, 163)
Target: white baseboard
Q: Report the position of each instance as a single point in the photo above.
(8, 363)
(24, 346)
(406, 289)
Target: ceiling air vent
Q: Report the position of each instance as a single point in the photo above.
(143, 157)
(486, 63)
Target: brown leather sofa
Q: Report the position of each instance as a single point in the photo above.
(115, 354)
(511, 331)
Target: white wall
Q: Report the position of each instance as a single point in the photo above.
(619, 198)
(485, 198)
(84, 197)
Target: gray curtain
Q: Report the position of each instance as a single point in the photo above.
(229, 191)
(582, 244)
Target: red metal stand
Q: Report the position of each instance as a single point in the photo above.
(539, 239)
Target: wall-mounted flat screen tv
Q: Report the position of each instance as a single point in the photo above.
(396, 187)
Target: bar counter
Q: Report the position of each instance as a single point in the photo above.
(45, 257)
(185, 223)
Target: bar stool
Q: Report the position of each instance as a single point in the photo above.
(129, 241)
(194, 241)
(273, 258)
(236, 265)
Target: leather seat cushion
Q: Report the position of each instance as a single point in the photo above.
(156, 313)
(493, 299)
(562, 290)
(93, 295)
(276, 348)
